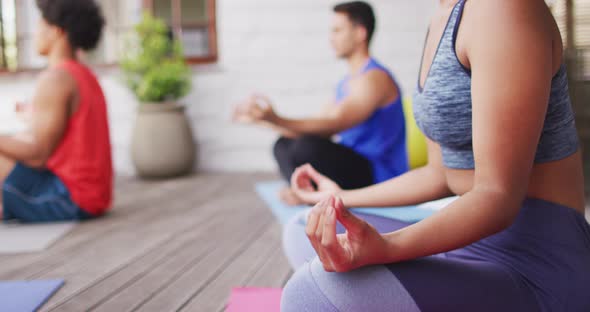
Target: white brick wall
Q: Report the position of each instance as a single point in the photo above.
(279, 47)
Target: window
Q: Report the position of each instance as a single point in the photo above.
(18, 21)
(193, 23)
(120, 16)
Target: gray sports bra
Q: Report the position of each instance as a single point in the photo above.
(443, 109)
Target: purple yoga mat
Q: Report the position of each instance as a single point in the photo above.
(26, 296)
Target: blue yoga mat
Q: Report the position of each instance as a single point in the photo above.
(26, 296)
(269, 191)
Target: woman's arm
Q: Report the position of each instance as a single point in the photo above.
(414, 187)
(49, 121)
(510, 54)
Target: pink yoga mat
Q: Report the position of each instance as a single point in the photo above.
(255, 300)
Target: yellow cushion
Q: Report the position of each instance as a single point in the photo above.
(415, 140)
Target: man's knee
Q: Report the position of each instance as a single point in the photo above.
(307, 149)
(281, 146)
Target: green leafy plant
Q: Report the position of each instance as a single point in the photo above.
(153, 63)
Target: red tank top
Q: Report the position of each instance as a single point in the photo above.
(82, 159)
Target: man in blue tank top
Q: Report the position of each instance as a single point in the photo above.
(359, 138)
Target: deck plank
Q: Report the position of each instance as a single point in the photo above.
(85, 234)
(166, 245)
(273, 274)
(235, 274)
(164, 290)
(122, 246)
(129, 273)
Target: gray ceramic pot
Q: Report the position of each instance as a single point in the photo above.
(162, 145)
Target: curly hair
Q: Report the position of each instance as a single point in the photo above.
(82, 20)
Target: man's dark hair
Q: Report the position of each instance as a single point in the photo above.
(81, 20)
(360, 13)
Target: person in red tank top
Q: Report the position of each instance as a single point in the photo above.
(61, 168)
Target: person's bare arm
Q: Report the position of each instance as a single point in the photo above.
(284, 132)
(366, 95)
(251, 110)
(325, 112)
(414, 187)
(511, 78)
(51, 104)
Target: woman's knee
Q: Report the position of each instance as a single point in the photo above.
(302, 294)
(296, 245)
(373, 288)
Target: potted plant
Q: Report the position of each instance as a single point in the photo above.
(156, 72)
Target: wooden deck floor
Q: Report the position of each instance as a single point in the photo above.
(177, 245)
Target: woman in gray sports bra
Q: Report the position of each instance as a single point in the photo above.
(493, 100)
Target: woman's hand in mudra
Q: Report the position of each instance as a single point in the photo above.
(360, 246)
(302, 184)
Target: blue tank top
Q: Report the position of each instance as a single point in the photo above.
(443, 109)
(382, 138)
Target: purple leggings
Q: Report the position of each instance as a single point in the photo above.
(540, 263)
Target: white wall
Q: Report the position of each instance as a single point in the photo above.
(279, 47)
